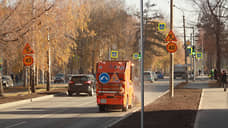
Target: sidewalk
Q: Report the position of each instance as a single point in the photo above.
(213, 109)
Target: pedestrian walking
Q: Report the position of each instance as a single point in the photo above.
(199, 72)
(215, 74)
(224, 82)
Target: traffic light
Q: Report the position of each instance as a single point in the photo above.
(193, 50)
(139, 55)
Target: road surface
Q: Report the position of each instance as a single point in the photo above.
(71, 112)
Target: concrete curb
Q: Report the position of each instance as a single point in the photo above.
(11, 104)
(198, 115)
(131, 112)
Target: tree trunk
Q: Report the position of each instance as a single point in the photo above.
(1, 87)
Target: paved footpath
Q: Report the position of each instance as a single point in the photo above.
(213, 109)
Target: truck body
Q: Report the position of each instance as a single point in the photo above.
(114, 86)
(180, 71)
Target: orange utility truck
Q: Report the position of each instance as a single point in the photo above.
(114, 86)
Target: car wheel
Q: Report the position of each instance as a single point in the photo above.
(69, 93)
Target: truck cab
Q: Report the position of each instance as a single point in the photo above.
(114, 87)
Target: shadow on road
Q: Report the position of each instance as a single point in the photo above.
(53, 110)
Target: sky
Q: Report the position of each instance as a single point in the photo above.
(187, 6)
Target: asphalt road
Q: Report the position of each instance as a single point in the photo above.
(72, 112)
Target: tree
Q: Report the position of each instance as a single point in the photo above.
(213, 17)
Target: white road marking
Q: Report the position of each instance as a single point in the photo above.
(23, 122)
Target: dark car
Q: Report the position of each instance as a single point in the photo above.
(7, 81)
(59, 78)
(82, 83)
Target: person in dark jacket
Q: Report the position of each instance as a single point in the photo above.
(215, 74)
(224, 79)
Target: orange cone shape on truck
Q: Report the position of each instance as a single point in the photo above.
(114, 78)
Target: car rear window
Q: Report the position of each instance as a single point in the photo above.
(146, 73)
(79, 79)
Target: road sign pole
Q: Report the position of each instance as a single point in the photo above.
(171, 85)
(142, 64)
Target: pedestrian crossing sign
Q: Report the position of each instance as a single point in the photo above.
(161, 26)
(199, 55)
(171, 36)
(189, 51)
(114, 54)
(136, 56)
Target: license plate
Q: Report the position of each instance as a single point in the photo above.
(103, 101)
(78, 84)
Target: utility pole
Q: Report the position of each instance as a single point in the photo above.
(171, 85)
(32, 68)
(48, 60)
(49, 64)
(185, 48)
(142, 63)
(185, 45)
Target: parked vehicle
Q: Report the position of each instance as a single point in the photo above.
(7, 81)
(114, 85)
(160, 75)
(180, 71)
(155, 76)
(82, 83)
(148, 76)
(59, 78)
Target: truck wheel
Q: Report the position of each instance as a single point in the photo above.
(91, 93)
(125, 108)
(101, 108)
(131, 106)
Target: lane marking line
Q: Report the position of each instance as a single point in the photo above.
(23, 122)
